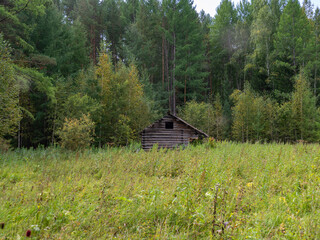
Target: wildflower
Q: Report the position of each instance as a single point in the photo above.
(28, 233)
(2, 225)
(282, 199)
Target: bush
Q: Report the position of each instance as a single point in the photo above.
(77, 133)
(199, 115)
(4, 145)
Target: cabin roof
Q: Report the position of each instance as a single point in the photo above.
(181, 120)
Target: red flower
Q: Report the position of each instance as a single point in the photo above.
(28, 233)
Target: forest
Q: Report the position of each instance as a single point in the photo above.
(99, 71)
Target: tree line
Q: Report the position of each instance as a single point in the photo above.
(249, 73)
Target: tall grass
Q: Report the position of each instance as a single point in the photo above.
(235, 191)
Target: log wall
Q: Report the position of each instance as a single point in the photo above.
(181, 134)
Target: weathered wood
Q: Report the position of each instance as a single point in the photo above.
(180, 134)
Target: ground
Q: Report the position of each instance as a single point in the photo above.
(230, 191)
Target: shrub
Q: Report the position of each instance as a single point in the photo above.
(4, 145)
(77, 133)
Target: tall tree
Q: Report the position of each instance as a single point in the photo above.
(262, 39)
(242, 47)
(223, 42)
(123, 109)
(61, 41)
(9, 93)
(113, 27)
(15, 21)
(304, 111)
(290, 43)
(190, 54)
(312, 52)
(89, 13)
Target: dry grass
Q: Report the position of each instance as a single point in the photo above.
(234, 191)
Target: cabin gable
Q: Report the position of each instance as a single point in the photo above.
(169, 132)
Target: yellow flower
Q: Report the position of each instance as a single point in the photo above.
(282, 199)
(250, 184)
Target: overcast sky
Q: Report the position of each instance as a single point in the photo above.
(209, 6)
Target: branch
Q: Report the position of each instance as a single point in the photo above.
(16, 12)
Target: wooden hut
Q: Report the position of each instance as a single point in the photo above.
(169, 132)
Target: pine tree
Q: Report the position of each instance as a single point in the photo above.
(312, 52)
(13, 24)
(89, 13)
(113, 27)
(190, 54)
(61, 41)
(261, 37)
(290, 43)
(242, 46)
(223, 41)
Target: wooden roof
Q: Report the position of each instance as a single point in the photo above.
(183, 121)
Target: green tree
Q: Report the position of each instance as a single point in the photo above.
(222, 38)
(199, 115)
(262, 39)
(242, 46)
(13, 24)
(37, 100)
(305, 116)
(190, 54)
(9, 93)
(123, 108)
(113, 27)
(89, 13)
(243, 114)
(290, 44)
(61, 41)
(253, 116)
(77, 133)
(284, 124)
(312, 52)
(219, 121)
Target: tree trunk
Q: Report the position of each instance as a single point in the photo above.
(185, 90)
(54, 124)
(163, 43)
(315, 70)
(267, 58)
(19, 135)
(173, 76)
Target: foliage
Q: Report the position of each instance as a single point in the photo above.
(77, 133)
(305, 116)
(253, 116)
(123, 110)
(9, 93)
(157, 56)
(63, 42)
(290, 44)
(200, 115)
(77, 105)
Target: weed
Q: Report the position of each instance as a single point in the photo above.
(231, 191)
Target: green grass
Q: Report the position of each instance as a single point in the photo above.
(249, 191)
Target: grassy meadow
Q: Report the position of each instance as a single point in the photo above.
(233, 191)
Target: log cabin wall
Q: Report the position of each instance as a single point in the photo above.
(168, 132)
